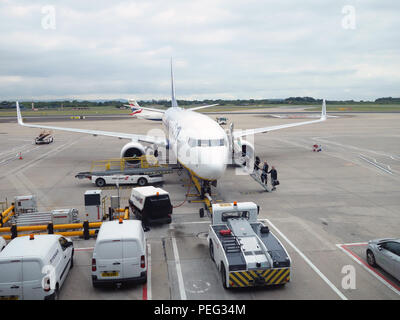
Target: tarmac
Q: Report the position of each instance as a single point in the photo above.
(338, 198)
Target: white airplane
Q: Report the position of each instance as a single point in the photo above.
(139, 113)
(197, 141)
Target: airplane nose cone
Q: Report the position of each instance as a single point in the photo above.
(213, 165)
(212, 171)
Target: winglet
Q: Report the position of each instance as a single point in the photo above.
(19, 117)
(174, 103)
(323, 111)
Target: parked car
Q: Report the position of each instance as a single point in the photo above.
(119, 253)
(386, 254)
(35, 267)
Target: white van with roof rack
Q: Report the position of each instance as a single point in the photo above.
(119, 255)
(35, 267)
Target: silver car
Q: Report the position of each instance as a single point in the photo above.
(386, 254)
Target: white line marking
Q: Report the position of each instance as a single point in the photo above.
(308, 261)
(41, 157)
(366, 268)
(355, 244)
(181, 285)
(375, 163)
(192, 222)
(84, 249)
(149, 295)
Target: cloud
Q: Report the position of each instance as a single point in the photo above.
(221, 49)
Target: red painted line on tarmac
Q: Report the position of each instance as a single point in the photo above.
(144, 295)
(345, 247)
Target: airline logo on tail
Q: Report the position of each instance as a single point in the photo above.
(134, 107)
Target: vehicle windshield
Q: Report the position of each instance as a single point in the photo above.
(235, 214)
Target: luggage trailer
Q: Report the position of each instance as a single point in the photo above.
(141, 176)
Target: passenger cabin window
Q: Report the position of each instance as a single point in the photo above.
(206, 143)
(235, 214)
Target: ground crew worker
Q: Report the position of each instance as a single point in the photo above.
(264, 174)
(274, 177)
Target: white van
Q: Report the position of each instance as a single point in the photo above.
(3, 243)
(119, 253)
(24, 264)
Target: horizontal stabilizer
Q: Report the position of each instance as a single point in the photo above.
(148, 109)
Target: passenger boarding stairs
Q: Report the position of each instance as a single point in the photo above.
(256, 176)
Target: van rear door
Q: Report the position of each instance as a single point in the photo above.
(158, 207)
(109, 259)
(131, 261)
(32, 279)
(11, 279)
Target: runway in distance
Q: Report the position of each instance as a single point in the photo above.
(194, 140)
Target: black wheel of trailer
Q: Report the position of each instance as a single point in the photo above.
(211, 250)
(142, 182)
(223, 276)
(100, 182)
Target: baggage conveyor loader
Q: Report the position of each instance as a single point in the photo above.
(245, 251)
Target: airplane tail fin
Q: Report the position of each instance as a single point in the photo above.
(135, 107)
(19, 116)
(323, 110)
(133, 103)
(174, 103)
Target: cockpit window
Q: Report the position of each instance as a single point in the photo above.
(206, 143)
(192, 142)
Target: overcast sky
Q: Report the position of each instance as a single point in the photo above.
(221, 49)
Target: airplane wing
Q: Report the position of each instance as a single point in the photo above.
(241, 133)
(202, 107)
(135, 137)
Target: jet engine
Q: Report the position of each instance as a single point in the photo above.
(133, 150)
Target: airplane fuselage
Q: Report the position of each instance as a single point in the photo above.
(200, 144)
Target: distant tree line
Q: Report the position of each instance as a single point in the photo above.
(166, 103)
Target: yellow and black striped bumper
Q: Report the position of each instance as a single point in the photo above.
(264, 277)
